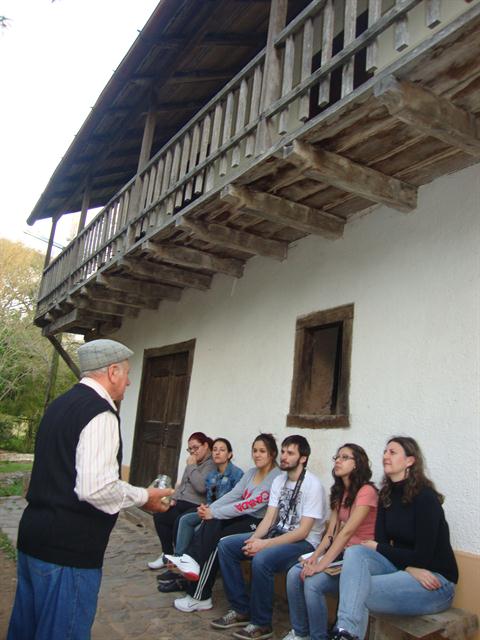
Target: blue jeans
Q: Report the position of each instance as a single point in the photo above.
(186, 526)
(265, 564)
(53, 602)
(307, 604)
(370, 582)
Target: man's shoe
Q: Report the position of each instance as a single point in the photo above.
(179, 584)
(189, 604)
(253, 632)
(291, 635)
(231, 619)
(189, 567)
(158, 563)
(167, 576)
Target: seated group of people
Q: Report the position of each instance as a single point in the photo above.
(384, 551)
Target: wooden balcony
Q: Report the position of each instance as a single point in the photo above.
(343, 110)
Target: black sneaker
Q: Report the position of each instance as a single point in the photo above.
(179, 584)
(167, 576)
(341, 634)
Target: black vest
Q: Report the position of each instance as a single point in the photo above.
(56, 526)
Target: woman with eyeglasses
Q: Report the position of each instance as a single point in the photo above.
(353, 501)
(408, 567)
(188, 495)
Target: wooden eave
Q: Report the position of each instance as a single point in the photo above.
(415, 121)
(185, 53)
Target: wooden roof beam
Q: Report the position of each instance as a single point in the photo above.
(161, 107)
(200, 75)
(232, 39)
(233, 239)
(177, 277)
(103, 308)
(101, 294)
(187, 257)
(283, 212)
(73, 319)
(139, 287)
(430, 114)
(342, 173)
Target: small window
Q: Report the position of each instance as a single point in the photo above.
(321, 369)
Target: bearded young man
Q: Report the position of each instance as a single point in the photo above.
(292, 526)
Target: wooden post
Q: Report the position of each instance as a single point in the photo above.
(85, 204)
(145, 150)
(61, 351)
(48, 255)
(52, 376)
(272, 71)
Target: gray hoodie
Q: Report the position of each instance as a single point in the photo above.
(245, 499)
(192, 488)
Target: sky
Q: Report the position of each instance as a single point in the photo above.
(55, 59)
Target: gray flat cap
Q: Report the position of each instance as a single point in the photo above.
(101, 353)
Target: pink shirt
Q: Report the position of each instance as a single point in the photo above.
(366, 497)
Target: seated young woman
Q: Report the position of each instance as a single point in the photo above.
(353, 501)
(188, 495)
(238, 511)
(218, 483)
(409, 568)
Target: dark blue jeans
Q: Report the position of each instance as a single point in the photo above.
(265, 564)
(53, 602)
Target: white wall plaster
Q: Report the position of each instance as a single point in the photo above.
(414, 281)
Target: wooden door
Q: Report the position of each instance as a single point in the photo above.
(161, 412)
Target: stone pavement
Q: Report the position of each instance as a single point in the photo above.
(130, 605)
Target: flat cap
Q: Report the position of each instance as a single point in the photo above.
(101, 353)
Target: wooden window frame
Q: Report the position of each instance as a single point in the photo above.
(317, 319)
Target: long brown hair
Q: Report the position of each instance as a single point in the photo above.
(359, 476)
(415, 478)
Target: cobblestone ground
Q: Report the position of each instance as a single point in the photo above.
(130, 605)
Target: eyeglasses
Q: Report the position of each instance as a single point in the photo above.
(193, 449)
(343, 458)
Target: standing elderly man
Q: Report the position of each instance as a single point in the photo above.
(74, 498)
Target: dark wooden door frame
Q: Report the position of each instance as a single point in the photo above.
(178, 347)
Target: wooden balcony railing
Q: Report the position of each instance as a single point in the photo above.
(234, 131)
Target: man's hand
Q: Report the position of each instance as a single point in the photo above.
(426, 578)
(253, 546)
(154, 502)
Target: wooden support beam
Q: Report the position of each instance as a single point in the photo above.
(73, 319)
(187, 257)
(85, 204)
(430, 114)
(140, 287)
(104, 308)
(234, 239)
(57, 345)
(101, 294)
(338, 171)
(147, 139)
(283, 212)
(51, 239)
(159, 272)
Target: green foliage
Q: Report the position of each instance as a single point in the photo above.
(25, 356)
(15, 489)
(9, 467)
(7, 547)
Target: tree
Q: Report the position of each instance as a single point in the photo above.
(25, 356)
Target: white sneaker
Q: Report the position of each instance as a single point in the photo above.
(186, 565)
(158, 563)
(291, 635)
(188, 604)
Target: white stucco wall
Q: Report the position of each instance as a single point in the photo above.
(414, 281)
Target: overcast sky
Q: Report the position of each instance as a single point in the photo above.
(55, 58)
